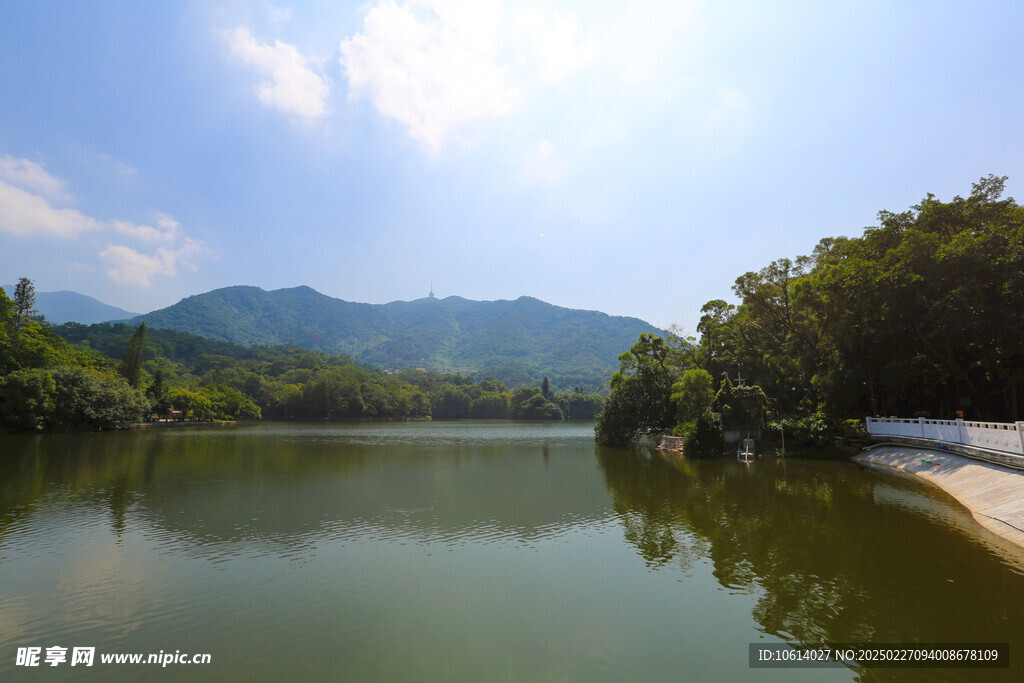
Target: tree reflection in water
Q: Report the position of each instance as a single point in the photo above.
(830, 559)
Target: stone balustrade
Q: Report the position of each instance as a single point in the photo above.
(1004, 437)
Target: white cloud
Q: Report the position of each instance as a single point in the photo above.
(27, 214)
(289, 84)
(430, 65)
(541, 164)
(181, 255)
(130, 267)
(24, 213)
(121, 169)
(278, 15)
(167, 229)
(125, 170)
(589, 75)
(437, 65)
(551, 44)
(31, 176)
(167, 223)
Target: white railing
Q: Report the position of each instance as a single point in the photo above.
(1005, 437)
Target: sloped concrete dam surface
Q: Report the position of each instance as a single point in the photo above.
(993, 494)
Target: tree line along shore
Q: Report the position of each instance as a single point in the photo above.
(80, 377)
(922, 315)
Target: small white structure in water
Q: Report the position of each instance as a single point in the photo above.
(745, 451)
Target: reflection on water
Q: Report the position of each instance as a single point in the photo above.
(283, 486)
(833, 553)
(472, 551)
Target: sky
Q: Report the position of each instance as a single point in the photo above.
(632, 158)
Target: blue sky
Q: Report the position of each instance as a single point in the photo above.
(633, 158)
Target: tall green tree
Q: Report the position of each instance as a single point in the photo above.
(24, 302)
(157, 394)
(923, 313)
(713, 329)
(641, 397)
(693, 394)
(131, 363)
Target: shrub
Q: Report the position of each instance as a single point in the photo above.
(814, 430)
(704, 440)
(26, 398)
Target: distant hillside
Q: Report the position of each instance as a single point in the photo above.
(64, 307)
(517, 341)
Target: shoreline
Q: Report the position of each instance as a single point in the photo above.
(994, 495)
(167, 424)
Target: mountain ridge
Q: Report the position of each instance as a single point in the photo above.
(518, 340)
(63, 306)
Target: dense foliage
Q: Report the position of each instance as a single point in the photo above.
(921, 315)
(641, 398)
(206, 379)
(46, 384)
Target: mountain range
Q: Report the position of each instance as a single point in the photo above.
(517, 341)
(64, 306)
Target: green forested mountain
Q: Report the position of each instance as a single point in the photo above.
(64, 307)
(206, 379)
(518, 342)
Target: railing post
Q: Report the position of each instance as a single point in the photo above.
(1020, 433)
(960, 429)
(920, 421)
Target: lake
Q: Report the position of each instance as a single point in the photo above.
(474, 551)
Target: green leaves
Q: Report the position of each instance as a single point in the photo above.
(86, 399)
(26, 399)
(693, 394)
(131, 364)
(921, 313)
(641, 398)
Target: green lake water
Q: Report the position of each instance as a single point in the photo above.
(475, 551)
